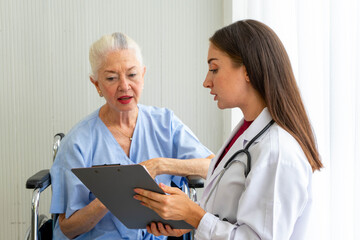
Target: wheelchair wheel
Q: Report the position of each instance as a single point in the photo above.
(27, 234)
(45, 229)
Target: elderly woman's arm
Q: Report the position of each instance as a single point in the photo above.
(179, 167)
(83, 220)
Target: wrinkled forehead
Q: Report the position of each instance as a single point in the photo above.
(128, 53)
(124, 58)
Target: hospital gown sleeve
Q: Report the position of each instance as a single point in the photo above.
(185, 144)
(69, 194)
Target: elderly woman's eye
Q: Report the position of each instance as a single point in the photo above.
(110, 78)
(132, 75)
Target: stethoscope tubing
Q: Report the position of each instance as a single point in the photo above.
(246, 149)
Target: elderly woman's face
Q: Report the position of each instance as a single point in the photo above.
(121, 79)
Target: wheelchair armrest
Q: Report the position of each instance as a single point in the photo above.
(39, 180)
(195, 181)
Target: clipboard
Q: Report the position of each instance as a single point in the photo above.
(114, 186)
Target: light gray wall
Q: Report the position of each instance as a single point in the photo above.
(45, 87)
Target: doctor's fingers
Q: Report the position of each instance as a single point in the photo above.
(158, 229)
(148, 202)
(148, 194)
(170, 190)
(164, 208)
(152, 228)
(175, 232)
(157, 196)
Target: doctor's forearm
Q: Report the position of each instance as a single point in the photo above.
(187, 167)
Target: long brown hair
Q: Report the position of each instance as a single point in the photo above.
(258, 48)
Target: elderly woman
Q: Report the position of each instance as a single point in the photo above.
(123, 132)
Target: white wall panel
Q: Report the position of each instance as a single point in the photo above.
(45, 87)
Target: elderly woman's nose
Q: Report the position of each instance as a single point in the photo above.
(123, 85)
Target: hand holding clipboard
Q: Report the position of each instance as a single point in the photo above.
(114, 186)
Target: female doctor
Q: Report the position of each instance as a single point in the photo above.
(259, 184)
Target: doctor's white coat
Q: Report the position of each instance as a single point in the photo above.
(273, 202)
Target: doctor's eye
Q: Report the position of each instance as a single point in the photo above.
(213, 70)
(132, 75)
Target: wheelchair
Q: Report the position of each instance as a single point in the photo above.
(41, 226)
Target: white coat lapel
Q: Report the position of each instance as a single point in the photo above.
(259, 123)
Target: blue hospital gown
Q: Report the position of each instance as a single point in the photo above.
(158, 133)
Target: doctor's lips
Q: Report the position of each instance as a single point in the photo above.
(125, 99)
(215, 96)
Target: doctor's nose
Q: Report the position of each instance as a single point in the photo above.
(207, 82)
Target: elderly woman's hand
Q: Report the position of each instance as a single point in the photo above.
(176, 205)
(153, 166)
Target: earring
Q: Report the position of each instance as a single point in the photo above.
(100, 93)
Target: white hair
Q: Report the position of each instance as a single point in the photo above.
(108, 43)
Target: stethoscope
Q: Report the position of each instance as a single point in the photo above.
(245, 150)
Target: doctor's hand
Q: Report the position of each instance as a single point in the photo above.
(174, 206)
(159, 229)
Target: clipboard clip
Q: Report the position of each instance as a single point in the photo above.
(107, 165)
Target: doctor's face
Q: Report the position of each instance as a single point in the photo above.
(121, 80)
(227, 83)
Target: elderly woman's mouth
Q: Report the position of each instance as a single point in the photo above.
(125, 99)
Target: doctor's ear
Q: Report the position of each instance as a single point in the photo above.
(247, 79)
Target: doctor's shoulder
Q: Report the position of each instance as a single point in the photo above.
(289, 150)
(279, 147)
